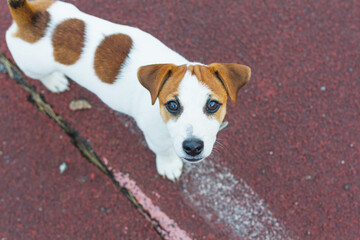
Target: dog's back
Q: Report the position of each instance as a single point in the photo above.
(52, 39)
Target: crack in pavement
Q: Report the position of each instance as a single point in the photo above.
(6, 66)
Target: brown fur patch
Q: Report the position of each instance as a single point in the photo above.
(68, 41)
(110, 55)
(31, 18)
(153, 77)
(170, 90)
(16, 3)
(233, 76)
(219, 93)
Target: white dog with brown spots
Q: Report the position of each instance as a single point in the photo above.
(180, 118)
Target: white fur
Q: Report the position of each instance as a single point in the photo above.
(126, 94)
(193, 123)
(55, 82)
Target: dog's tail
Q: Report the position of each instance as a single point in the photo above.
(25, 12)
(21, 11)
(32, 18)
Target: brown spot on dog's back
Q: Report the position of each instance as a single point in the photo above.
(31, 18)
(68, 41)
(110, 55)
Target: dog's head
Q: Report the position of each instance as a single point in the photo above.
(193, 101)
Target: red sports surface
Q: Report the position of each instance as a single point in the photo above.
(286, 167)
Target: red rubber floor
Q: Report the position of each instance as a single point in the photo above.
(293, 137)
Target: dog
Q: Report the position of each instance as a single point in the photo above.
(179, 105)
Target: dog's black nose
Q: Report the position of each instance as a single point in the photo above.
(193, 146)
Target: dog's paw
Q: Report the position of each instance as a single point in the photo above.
(56, 82)
(169, 167)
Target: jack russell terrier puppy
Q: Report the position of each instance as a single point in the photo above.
(179, 105)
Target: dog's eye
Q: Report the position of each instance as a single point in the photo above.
(173, 106)
(212, 106)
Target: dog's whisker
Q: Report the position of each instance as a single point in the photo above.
(219, 145)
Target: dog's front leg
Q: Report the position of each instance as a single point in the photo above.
(168, 164)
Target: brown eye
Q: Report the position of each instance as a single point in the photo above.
(212, 106)
(173, 107)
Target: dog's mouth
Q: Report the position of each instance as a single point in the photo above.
(192, 160)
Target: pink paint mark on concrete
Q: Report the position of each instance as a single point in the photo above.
(170, 229)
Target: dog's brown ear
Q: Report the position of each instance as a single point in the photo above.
(233, 76)
(153, 77)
